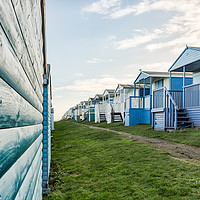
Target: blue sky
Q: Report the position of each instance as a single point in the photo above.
(96, 44)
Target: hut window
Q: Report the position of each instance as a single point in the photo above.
(159, 84)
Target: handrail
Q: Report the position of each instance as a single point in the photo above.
(187, 86)
(171, 98)
(158, 89)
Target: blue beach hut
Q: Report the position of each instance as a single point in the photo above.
(91, 112)
(139, 107)
(188, 113)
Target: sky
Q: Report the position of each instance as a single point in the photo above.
(93, 45)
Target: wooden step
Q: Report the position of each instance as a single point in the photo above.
(179, 117)
(181, 113)
(183, 122)
(169, 129)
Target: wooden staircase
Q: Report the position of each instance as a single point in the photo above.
(183, 121)
(117, 117)
(102, 117)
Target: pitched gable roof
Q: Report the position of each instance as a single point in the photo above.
(190, 58)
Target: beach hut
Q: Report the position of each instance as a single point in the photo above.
(103, 109)
(73, 112)
(98, 103)
(139, 106)
(84, 110)
(174, 115)
(76, 116)
(122, 92)
(91, 112)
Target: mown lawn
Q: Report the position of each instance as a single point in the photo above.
(94, 164)
(186, 136)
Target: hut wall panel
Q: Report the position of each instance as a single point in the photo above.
(196, 78)
(38, 188)
(15, 111)
(127, 119)
(139, 116)
(194, 115)
(17, 78)
(12, 31)
(25, 12)
(21, 99)
(158, 121)
(14, 142)
(32, 174)
(13, 179)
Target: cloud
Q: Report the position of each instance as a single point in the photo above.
(94, 61)
(79, 74)
(98, 60)
(140, 8)
(181, 29)
(102, 6)
(138, 39)
(111, 37)
(161, 66)
(97, 85)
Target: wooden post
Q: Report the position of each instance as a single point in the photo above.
(183, 86)
(151, 91)
(175, 123)
(139, 94)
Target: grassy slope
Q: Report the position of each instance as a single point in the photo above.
(94, 164)
(187, 136)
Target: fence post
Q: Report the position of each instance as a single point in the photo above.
(184, 87)
(164, 106)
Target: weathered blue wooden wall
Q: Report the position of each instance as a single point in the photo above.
(138, 116)
(21, 96)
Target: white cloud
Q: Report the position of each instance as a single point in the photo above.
(98, 60)
(97, 85)
(181, 29)
(102, 6)
(137, 39)
(79, 74)
(111, 37)
(94, 61)
(159, 66)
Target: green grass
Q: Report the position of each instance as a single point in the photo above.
(186, 136)
(94, 164)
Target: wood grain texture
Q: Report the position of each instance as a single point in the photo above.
(14, 177)
(29, 18)
(10, 27)
(15, 111)
(38, 188)
(16, 78)
(14, 142)
(30, 182)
